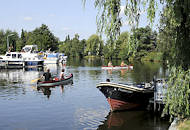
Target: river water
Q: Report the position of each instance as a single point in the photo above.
(74, 106)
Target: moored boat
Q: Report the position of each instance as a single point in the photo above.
(117, 67)
(28, 57)
(54, 58)
(55, 82)
(51, 58)
(126, 96)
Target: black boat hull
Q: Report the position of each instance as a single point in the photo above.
(123, 97)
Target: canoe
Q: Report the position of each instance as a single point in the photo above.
(117, 67)
(65, 81)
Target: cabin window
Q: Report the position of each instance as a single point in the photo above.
(8, 55)
(19, 56)
(13, 55)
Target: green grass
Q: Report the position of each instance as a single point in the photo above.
(185, 125)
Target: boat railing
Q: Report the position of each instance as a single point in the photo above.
(160, 90)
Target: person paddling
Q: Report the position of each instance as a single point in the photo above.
(110, 64)
(62, 74)
(123, 64)
(47, 75)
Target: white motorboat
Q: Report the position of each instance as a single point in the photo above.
(28, 57)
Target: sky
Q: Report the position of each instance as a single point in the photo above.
(63, 17)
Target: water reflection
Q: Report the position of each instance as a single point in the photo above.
(133, 120)
(14, 82)
(145, 72)
(141, 72)
(91, 62)
(47, 90)
(123, 72)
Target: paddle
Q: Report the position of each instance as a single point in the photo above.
(34, 80)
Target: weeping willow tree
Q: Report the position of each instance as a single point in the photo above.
(109, 22)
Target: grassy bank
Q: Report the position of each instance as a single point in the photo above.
(151, 56)
(185, 125)
(92, 57)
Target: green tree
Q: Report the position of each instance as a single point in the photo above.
(82, 48)
(122, 46)
(23, 38)
(167, 34)
(145, 40)
(3, 42)
(66, 46)
(94, 46)
(73, 47)
(44, 38)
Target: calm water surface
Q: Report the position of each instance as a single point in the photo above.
(75, 106)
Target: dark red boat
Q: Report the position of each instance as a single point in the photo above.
(126, 96)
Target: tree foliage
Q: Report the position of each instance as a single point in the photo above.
(73, 47)
(144, 40)
(167, 34)
(44, 38)
(94, 46)
(120, 49)
(109, 19)
(13, 39)
(177, 98)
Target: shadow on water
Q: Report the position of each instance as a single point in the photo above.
(133, 120)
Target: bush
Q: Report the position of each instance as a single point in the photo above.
(153, 56)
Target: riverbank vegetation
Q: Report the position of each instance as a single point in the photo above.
(173, 39)
(185, 125)
(147, 45)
